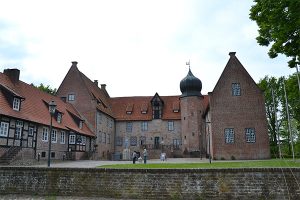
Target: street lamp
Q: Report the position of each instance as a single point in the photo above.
(52, 107)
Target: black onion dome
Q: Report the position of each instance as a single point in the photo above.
(190, 85)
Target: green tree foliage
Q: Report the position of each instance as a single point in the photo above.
(267, 84)
(279, 25)
(44, 88)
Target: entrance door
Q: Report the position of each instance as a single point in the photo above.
(156, 143)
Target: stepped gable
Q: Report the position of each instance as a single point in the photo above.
(34, 106)
(139, 108)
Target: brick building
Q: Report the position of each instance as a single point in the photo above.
(229, 122)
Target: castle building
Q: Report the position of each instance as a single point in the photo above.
(227, 123)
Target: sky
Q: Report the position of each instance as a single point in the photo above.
(135, 47)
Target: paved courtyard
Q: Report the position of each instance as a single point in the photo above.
(95, 163)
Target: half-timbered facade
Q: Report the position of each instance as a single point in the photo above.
(25, 123)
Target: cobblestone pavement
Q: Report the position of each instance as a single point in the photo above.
(28, 197)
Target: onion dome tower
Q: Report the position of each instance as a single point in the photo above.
(191, 106)
(190, 85)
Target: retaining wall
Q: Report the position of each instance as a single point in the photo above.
(258, 183)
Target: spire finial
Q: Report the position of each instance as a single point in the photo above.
(189, 64)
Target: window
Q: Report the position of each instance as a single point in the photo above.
(83, 140)
(170, 126)
(104, 138)
(52, 154)
(236, 89)
(100, 136)
(229, 135)
(4, 129)
(54, 136)
(119, 141)
(16, 104)
(18, 131)
(30, 131)
(99, 118)
(250, 135)
(71, 97)
(59, 117)
(176, 143)
(80, 124)
(133, 141)
(108, 138)
(43, 154)
(142, 140)
(129, 127)
(72, 139)
(144, 126)
(45, 134)
(62, 137)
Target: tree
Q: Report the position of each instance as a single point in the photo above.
(279, 25)
(267, 84)
(45, 88)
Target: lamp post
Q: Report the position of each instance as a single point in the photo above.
(52, 107)
(209, 153)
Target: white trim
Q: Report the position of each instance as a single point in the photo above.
(4, 129)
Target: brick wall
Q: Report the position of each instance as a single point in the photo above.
(259, 183)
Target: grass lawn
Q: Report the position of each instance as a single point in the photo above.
(219, 164)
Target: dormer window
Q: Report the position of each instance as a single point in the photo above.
(16, 104)
(59, 117)
(129, 109)
(157, 107)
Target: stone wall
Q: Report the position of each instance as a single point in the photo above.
(259, 183)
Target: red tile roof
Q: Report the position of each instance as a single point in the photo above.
(121, 106)
(99, 94)
(33, 107)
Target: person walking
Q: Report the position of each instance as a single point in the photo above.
(145, 154)
(134, 157)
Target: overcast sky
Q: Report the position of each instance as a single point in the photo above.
(136, 47)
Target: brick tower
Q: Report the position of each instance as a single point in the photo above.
(192, 125)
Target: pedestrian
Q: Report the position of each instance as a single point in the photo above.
(145, 155)
(134, 157)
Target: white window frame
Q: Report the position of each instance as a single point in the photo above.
(16, 104)
(59, 117)
(72, 139)
(71, 97)
(144, 126)
(54, 136)
(30, 131)
(250, 135)
(80, 124)
(170, 125)
(229, 135)
(4, 129)
(62, 137)
(45, 134)
(236, 89)
(129, 126)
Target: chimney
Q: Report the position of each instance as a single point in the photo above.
(96, 82)
(74, 63)
(232, 54)
(13, 74)
(103, 86)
